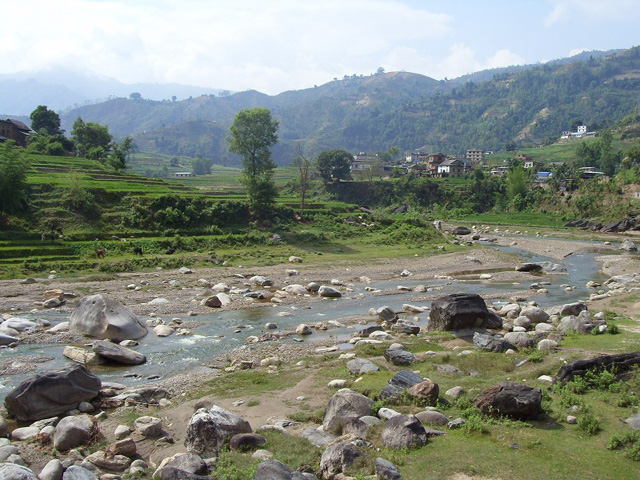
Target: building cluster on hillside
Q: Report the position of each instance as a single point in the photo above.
(581, 132)
(14, 130)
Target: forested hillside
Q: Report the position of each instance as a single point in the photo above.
(410, 111)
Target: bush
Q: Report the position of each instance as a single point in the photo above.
(589, 424)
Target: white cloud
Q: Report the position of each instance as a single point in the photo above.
(463, 59)
(504, 58)
(577, 51)
(593, 9)
(271, 46)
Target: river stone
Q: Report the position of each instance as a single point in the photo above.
(431, 417)
(208, 430)
(109, 462)
(303, 329)
(12, 471)
(345, 403)
(72, 432)
(360, 366)
(386, 314)
(544, 327)
(460, 230)
(105, 318)
(367, 331)
(491, 342)
(148, 426)
(529, 267)
(313, 287)
(327, 291)
(385, 470)
(4, 427)
(427, 392)
(341, 457)
(184, 462)
(19, 324)
(118, 353)
(577, 324)
(572, 309)
(628, 246)
(275, 470)
(458, 311)
(403, 431)
(24, 433)
(51, 393)
(523, 322)
(511, 399)
(406, 327)
(399, 357)
(53, 470)
(7, 339)
(399, 383)
(295, 289)
(212, 302)
(510, 307)
(535, 314)
(547, 344)
(163, 330)
(76, 472)
(521, 339)
(261, 280)
(81, 355)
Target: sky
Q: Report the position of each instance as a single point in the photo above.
(278, 45)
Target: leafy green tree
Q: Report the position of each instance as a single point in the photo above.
(91, 140)
(201, 166)
(517, 187)
(334, 164)
(43, 119)
(13, 178)
(252, 135)
(120, 153)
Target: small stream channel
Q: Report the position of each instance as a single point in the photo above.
(172, 355)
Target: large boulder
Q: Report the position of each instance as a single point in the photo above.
(385, 470)
(426, 392)
(360, 366)
(52, 393)
(512, 400)
(118, 353)
(275, 470)
(105, 318)
(535, 314)
(399, 357)
(341, 457)
(12, 471)
(74, 431)
(491, 342)
(184, 462)
(403, 431)
(401, 381)
(345, 403)
(460, 230)
(208, 430)
(458, 311)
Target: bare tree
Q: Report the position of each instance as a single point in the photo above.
(303, 164)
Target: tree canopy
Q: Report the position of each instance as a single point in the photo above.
(13, 178)
(92, 140)
(334, 164)
(252, 135)
(44, 119)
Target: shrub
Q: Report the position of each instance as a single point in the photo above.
(589, 424)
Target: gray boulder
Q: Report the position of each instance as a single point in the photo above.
(76, 472)
(576, 324)
(535, 314)
(529, 267)
(329, 292)
(105, 318)
(74, 431)
(431, 417)
(512, 400)
(386, 314)
(7, 339)
(360, 366)
(520, 339)
(52, 470)
(51, 393)
(118, 353)
(628, 246)
(491, 342)
(458, 311)
(399, 357)
(246, 441)
(184, 463)
(460, 231)
(385, 470)
(342, 457)
(572, 309)
(208, 430)
(406, 327)
(274, 470)
(403, 431)
(345, 403)
(12, 471)
(399, 383)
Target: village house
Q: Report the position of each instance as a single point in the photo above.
(183, 174)
(451, 167)
(14, 130)
(581, 132)
(475, 156)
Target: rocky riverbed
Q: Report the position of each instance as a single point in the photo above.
(185, 293)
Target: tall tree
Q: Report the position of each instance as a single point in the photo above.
(303, 164)
(92, 140)
(334, 164)
(44, 119)
(252, 135)
(13, 178)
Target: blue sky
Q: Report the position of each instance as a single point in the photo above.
(278, 45)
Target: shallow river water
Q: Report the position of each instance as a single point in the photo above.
(173, 355)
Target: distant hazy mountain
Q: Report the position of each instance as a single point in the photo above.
(524, 106)
(61, 89)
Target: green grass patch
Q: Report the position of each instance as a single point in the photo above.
(251, 383)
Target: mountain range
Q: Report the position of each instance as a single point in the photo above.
(490, 110)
